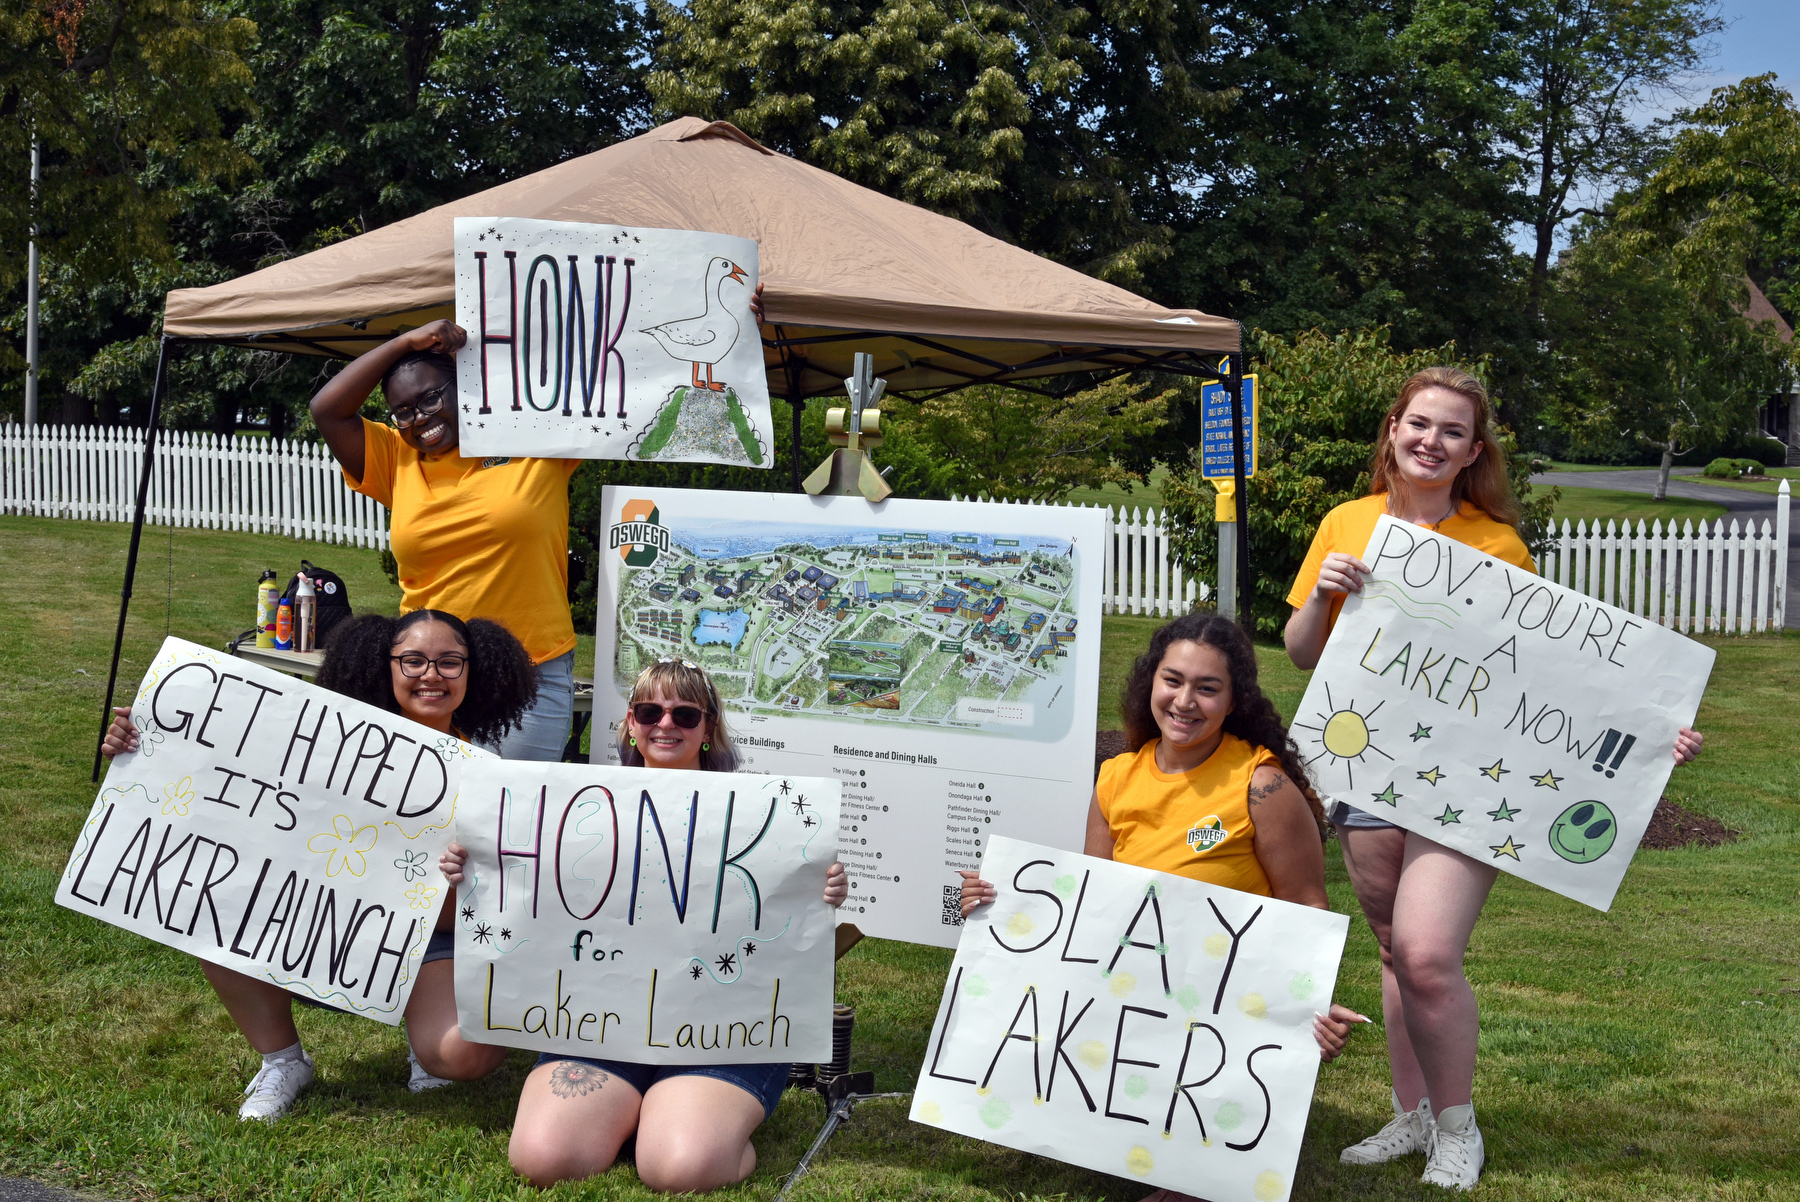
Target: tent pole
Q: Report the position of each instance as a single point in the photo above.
(1235, 386)
(792, 366)
(137, 531)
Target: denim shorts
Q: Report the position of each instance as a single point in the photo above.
(546, 724)
(764, 1082)
(441, 946)
(1345, 814)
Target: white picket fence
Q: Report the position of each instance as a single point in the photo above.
(269, 486)
(1724, 576)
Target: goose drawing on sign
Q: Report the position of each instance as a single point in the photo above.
(708, 338)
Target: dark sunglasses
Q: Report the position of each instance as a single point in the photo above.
(428, 404)
(648, 713)
(413, 664)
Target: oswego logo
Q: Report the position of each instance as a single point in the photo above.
(1207, 835)
(639, 534)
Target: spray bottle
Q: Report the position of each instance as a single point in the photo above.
(266, 595)
(306, 610)
(284, 625)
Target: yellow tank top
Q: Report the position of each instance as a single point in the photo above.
(1196, 824)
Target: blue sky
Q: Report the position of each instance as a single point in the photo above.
(1763, 35)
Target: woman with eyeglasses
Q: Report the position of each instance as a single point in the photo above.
(485, 538)
(692, 1122)
(472, 680)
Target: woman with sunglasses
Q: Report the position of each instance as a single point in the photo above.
(471, 680)
(485, 538)
(693, 1123)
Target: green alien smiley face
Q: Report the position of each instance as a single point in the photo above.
(1584, 832)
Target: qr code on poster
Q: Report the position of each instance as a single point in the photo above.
(952, 916)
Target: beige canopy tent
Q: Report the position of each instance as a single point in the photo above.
(846, 269)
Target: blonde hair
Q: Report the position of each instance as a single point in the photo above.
(1483, 483)
(690, 682)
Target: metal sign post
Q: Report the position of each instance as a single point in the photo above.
(1228, 456)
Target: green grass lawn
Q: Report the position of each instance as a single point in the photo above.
(1606, 504)
(1645, 1054)
(1771, 485)
(1149, 493)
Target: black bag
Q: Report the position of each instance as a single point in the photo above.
(332, 603)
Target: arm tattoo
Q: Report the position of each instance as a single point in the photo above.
(1275, 785)
(574, 1079)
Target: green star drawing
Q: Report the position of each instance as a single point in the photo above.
(1504, 813)
(1424, 732)
(1547, 781)
(1494, 771)
(1449, 815)
(1388, 795)
(1431, 776)
(1508, 848)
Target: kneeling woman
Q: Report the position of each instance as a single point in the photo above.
(472, 680)
(693, 1122)
(1208, 745)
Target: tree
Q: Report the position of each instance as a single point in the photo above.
(1016, 445)
(1584, 67)
(1324, 398)
(1654, 347)
(134, 104)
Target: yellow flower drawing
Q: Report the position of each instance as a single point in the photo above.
(178, 796)
(346, 846)
(419, 896)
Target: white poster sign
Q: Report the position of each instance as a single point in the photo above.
(939, 660)
(652, 916)
(1133, 1022)
(275, 828)
(1515, 720)
(601, 342)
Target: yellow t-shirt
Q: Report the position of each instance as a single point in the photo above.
(1349, 527)
(1196, 824)
(479, 538)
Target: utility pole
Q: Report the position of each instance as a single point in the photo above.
(31, 299)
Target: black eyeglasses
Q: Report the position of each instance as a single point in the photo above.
(648, 713)
(427, 404)
(449, 666)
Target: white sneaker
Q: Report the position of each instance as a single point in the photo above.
(1402, 1137)
(1454, 1151)
(422, 1080)
(275, 1087)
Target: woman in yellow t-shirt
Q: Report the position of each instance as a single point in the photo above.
(1438, 464)
(479, 538)
(1213, 789)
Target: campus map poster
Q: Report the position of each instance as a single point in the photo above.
(940, 660)
(1498, 713)
(600, 342)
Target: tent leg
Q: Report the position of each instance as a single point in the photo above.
(1238, 434)
(137, 531)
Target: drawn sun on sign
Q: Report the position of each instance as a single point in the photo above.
(1345, 735)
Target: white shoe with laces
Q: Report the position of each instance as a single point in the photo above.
(275, 1087)
(1401, 1137)
(1454, 1149)
(421, 1079)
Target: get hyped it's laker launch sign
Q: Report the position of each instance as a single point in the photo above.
(1498, 713)
(602, 342)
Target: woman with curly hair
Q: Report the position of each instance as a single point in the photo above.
(692, 1122)
(1208, 754)
(471, 680)
(1438, 464)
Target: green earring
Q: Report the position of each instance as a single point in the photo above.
(706, 747)
(632, 739)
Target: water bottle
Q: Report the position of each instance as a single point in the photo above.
(284, 625)
(306, 612)
(267, 594)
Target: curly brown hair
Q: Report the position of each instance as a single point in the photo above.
(503, 682)
(1252, 718)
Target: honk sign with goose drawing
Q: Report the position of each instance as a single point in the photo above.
(606, 342)
(1498, 713)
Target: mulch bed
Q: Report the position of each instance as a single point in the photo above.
(1670, 826)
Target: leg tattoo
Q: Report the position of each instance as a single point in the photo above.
(573, 1079)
